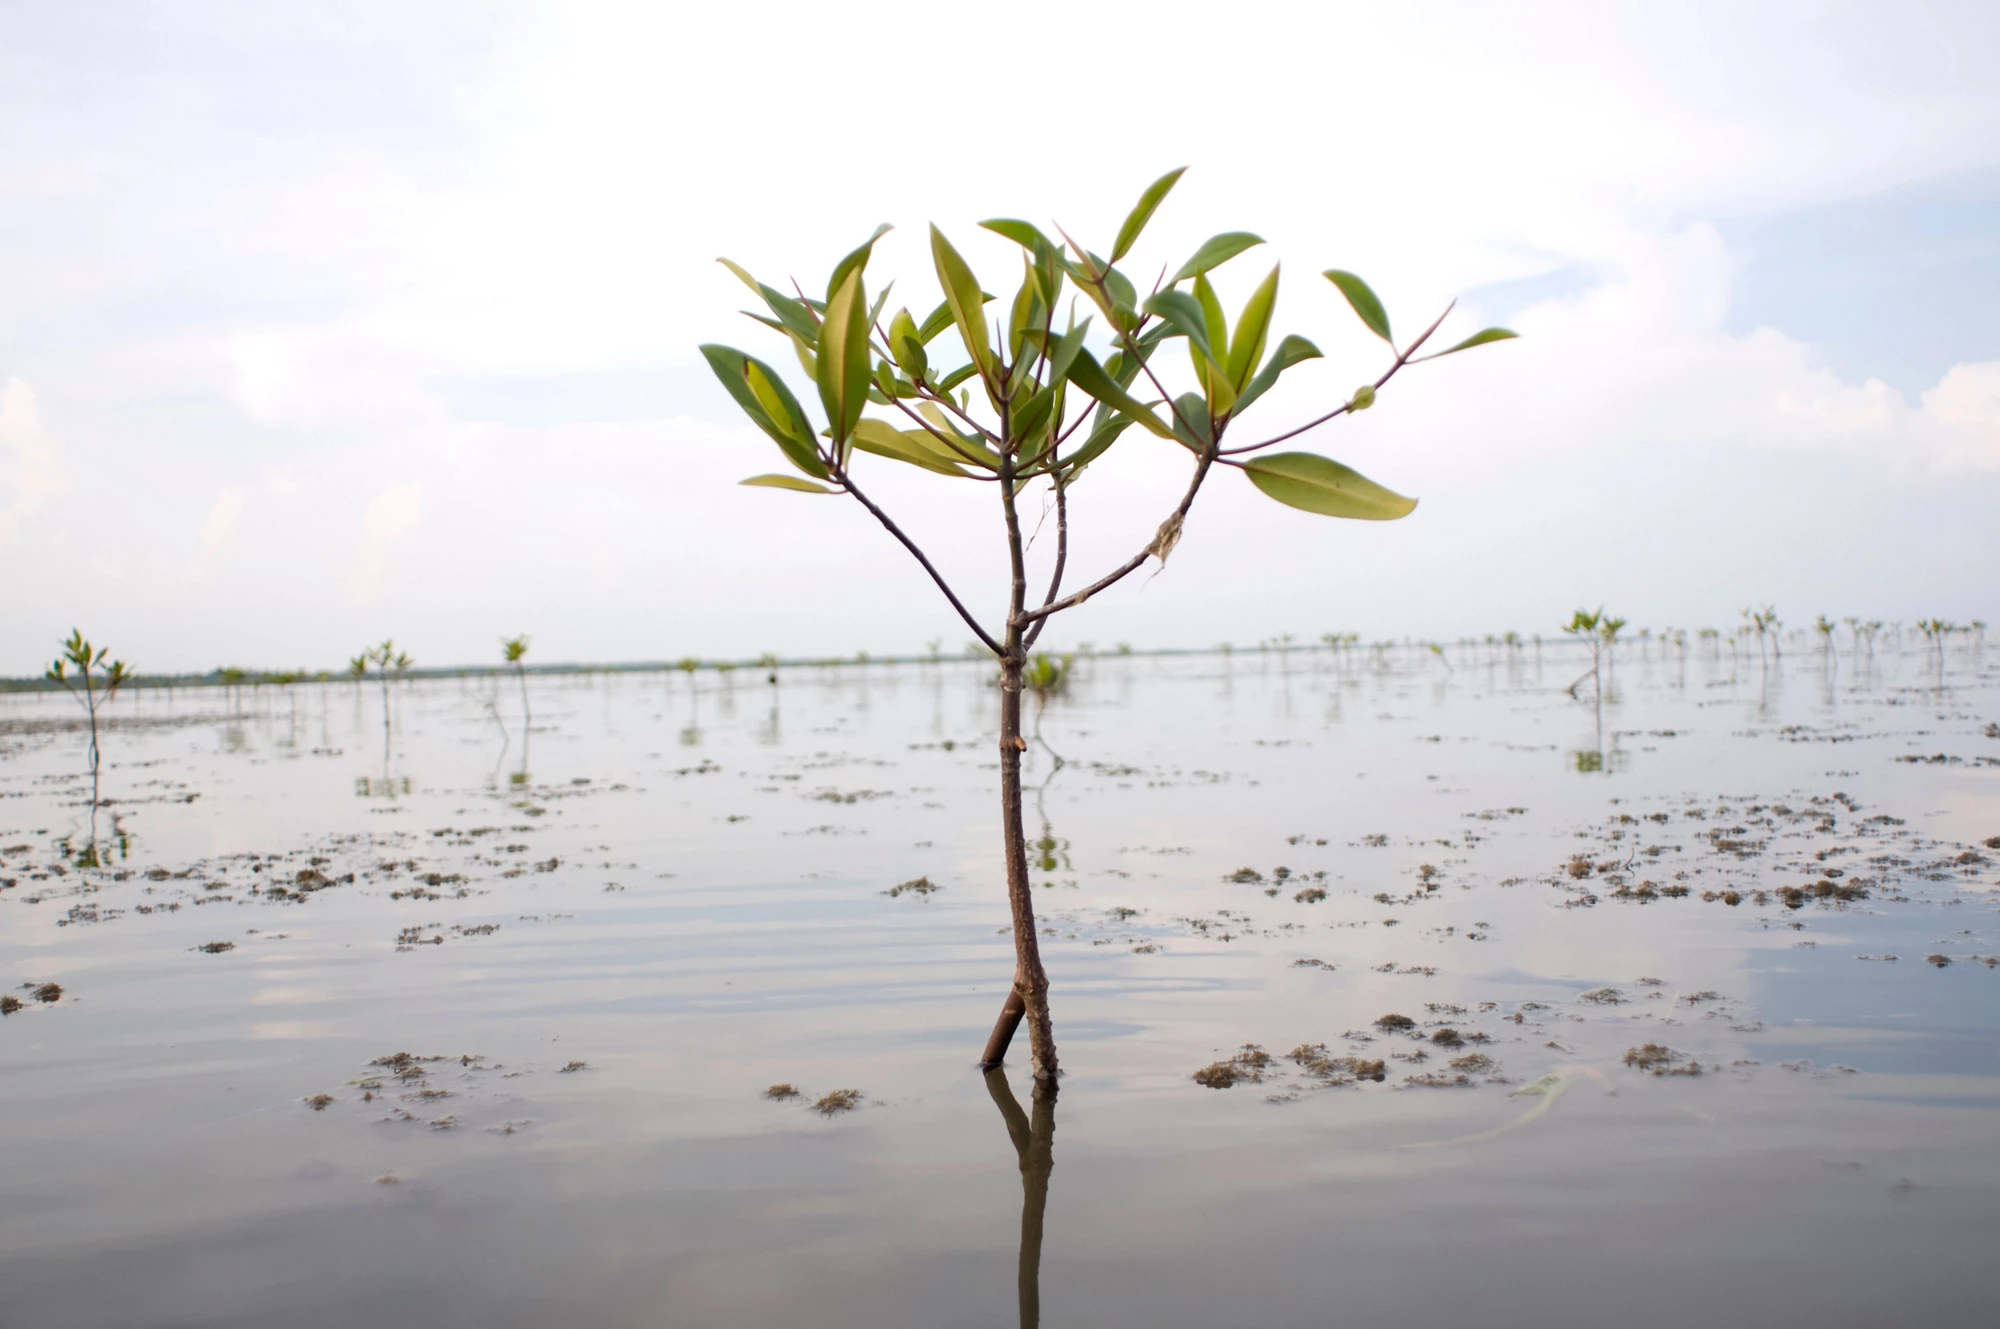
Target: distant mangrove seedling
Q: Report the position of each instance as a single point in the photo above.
(1589, 625)
(1047, 407)
(514, 650)
(93, 683)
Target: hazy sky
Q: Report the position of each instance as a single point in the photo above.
(323, 323)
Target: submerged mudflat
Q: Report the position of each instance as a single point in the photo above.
(1389, 992)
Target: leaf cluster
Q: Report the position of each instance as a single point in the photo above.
(93, 672)
(1024, 392)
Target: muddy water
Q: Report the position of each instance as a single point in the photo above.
(601, 941)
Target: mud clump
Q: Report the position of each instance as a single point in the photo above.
(319, 1102)
(48, 993)
(783, 1093)
(1474, 1063)
(837, 1102)
(1603, 997)
(1310, 895)
(1247, 1067)
(919, 886)
(1448, 1038)
(8, 1005)
(573, 1067)
(1937, 961)
(1660, 1060)
(216, 947)
(1395, 1024)
(1316, 1061)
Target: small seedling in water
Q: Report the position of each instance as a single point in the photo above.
(837, 1102)
(98, 689)
(1395, 1024)
(319, 1102)
(918, 886)
(783, 1093)
(513, 650)
(1048, 408)
(49, 993)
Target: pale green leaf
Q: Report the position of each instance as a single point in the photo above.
(1365, 305)
(843, 356)
(1253, 325)
(1319, 484)
(791, 482)
(1086, 373)
(1479, 338)
(912, 446)
(967, 301)
(1142, 212)
(1217, 251)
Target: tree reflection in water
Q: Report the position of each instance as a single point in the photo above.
(1034, 1144)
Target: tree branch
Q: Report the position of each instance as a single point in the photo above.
(1402, 359)
(1133, 564)
(848, 484)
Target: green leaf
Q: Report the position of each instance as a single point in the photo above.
(857, 258)
(1184, 314)
(956, 377)
(935, 322)
(1290, 351)
(1028, 415)
(1212, 317)
(1022, 234)
(1142, 212)
(1253, 325)
(1217, 251)
(967, 301)
(1319, 484)
(843, 356)
(1476, 339)
(741, 275)
(1101, 438)
(1191, 424)
(1063, 353)
(1366, 306)
(1086, 373)
(763, 397)
(907, 346)
(912, 446)
(791, 482)
(960, 448)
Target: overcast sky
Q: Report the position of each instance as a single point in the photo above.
(326, 323)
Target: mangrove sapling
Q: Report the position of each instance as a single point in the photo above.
(1586, 624)
(1765, 623)
(93, 683)
(1608, 629)
(514, 650)
(1046, 407)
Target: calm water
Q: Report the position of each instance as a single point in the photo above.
(612, 934)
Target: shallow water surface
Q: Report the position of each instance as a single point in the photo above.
(443, 1022)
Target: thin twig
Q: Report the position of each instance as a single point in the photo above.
(1401, 360)
(1062, 557)
(888, 524)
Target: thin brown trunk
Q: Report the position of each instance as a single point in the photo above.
(1029, 998)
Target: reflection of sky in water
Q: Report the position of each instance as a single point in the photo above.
(689, 893)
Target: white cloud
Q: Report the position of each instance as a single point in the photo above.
(390, 516)
(30, 475)
(220, 524)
